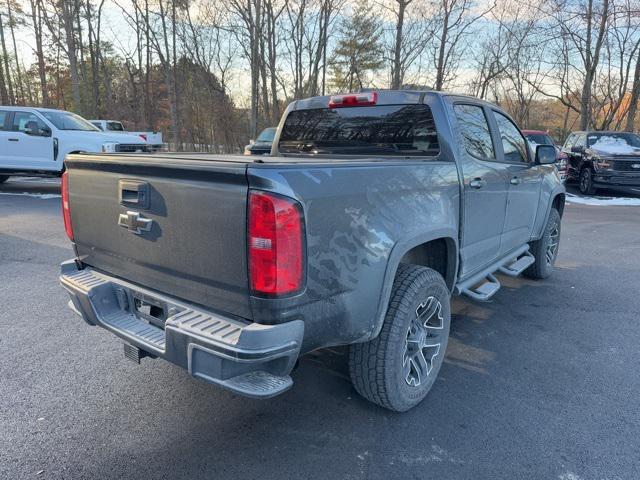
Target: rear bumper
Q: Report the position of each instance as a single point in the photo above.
(247, 358)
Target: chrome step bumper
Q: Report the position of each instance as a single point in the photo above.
(247, 358)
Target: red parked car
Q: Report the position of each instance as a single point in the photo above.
(539, 137)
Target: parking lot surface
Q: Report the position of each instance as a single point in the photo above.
(542, 382)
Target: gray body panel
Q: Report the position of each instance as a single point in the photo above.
(361, 216)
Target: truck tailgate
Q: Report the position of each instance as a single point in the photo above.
(177, 224)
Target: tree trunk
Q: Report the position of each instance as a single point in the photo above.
(634, 97)
(12, 98)
(165, 60)
(396, 70)
(69, 32)
(591, 62)
(255, 68)
(36, 17)
(440, 67)
(15, 52)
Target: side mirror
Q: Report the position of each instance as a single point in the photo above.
(577, 149)
(545, 155)
(45, 132)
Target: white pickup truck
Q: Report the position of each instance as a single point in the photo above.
(153, 139)
(35, 141)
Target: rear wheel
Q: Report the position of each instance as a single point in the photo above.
(4, 178)
(586, 182)
(397, 369)
(545, 250)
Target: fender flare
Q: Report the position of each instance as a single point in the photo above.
(399, 249)
(560, 190)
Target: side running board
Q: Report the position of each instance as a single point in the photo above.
(519, 265)
(485, 290)
(484, 285)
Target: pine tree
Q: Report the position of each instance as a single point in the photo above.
(359, 51)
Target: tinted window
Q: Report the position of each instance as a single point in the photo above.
(386, 130)
(475, 131)
(3, 118)
(513, 143)
(569, 141)
(115, 126)
(22, 120)
(539, 139)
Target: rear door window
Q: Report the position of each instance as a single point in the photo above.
(380, 130)
(514, 145)
(475, 132)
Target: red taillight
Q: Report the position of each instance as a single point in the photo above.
(66, 211)
(275, 244)
(353, 100)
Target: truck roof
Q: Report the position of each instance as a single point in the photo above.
(31, 109)
(385, 97)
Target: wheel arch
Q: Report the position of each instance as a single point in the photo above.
(558, 203)
(426, 249)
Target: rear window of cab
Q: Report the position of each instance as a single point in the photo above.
(380, 130)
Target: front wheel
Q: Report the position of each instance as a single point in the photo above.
(586, 182)
(397, 369)
(4, 178)
(545, 250)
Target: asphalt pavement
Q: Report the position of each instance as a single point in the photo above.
(543, 382)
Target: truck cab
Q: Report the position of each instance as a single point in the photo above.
(36, 141)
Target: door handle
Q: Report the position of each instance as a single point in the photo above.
(515, 181)
(477, 183)
(134, 192)
(14, 139)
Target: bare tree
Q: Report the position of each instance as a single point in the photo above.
(454, 19)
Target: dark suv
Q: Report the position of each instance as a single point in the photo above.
(603, 160)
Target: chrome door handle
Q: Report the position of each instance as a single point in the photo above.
(477, 183)
(515, 181)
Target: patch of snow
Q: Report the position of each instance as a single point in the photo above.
(603, 201)
(42, 196)
(614, 146)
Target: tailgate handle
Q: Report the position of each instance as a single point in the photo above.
(134, 192)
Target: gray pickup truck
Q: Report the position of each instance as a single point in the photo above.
(373, 209)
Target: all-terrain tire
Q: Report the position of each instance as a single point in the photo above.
(378, 367)
(545, 250)
(585, 182)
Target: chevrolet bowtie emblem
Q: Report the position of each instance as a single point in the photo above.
(134, 222)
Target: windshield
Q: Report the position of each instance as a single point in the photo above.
(267, 135)
(389, 130)
(609, 140)
(68, 121)
(539, 138)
